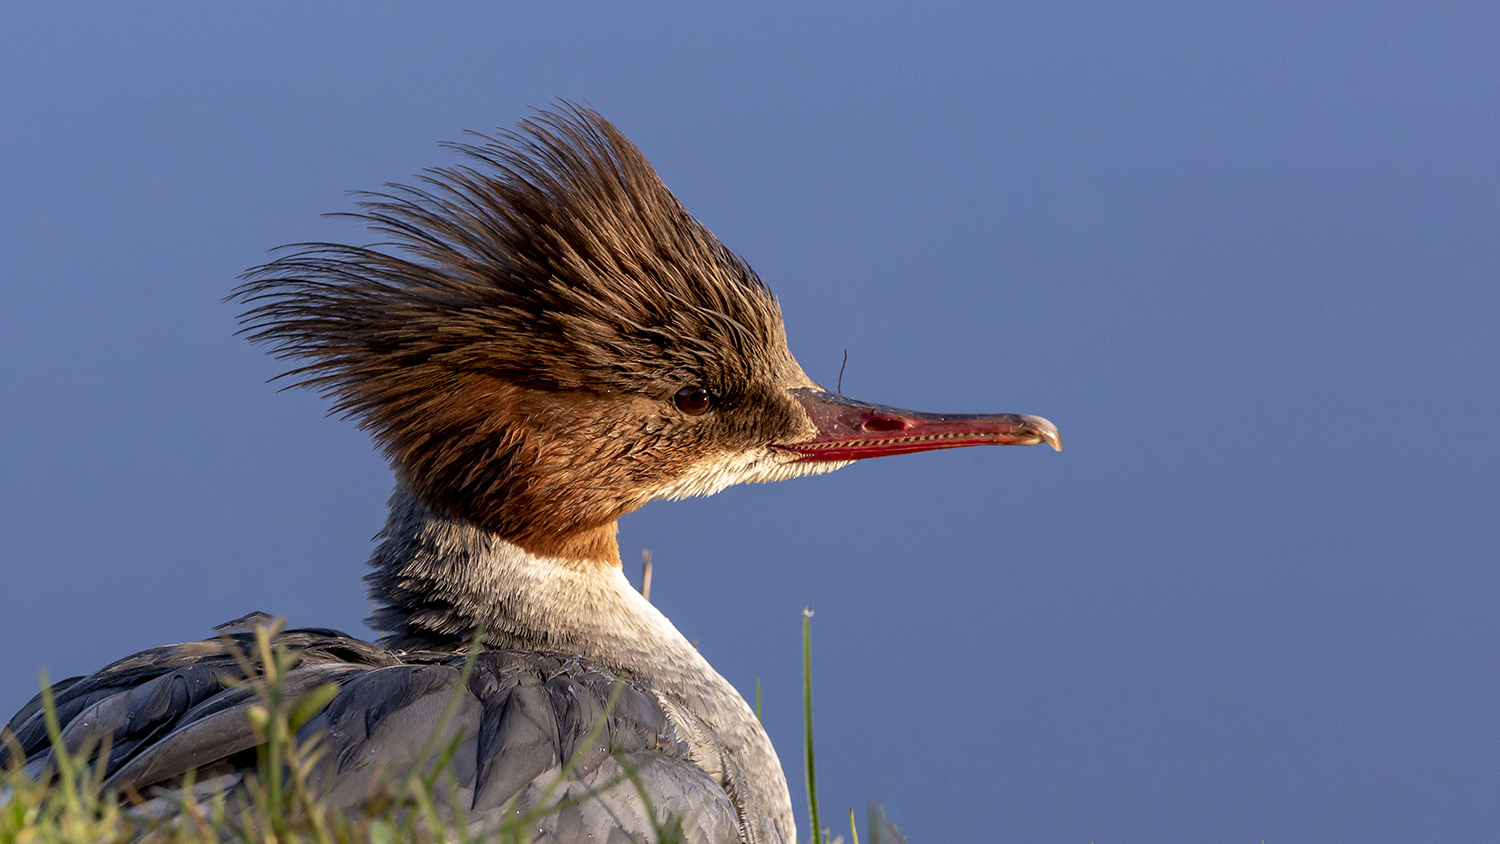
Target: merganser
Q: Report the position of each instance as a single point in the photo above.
(549, 342)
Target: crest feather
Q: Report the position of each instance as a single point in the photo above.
(555, 259)
(515, 344)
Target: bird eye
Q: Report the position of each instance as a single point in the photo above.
(694, 401)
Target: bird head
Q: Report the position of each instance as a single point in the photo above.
(546, 340)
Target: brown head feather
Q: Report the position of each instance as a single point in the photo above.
(516, 347)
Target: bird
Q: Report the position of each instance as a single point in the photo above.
(543, 341)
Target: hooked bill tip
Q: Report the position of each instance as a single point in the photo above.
(1047, 431)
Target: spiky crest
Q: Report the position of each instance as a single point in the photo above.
(515, 345)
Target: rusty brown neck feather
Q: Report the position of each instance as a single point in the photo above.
(592, 545)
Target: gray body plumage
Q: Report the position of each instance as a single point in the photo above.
(517, 720)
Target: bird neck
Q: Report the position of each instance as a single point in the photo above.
(436, 580)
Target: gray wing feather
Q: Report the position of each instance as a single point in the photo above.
(379, 724)
(519, 744)
(510, 731)
(214, 730)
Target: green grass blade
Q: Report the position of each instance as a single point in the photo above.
(807, 720)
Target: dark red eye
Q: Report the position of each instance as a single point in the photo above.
(694, 401)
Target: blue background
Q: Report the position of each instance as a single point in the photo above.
(1245, 255)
